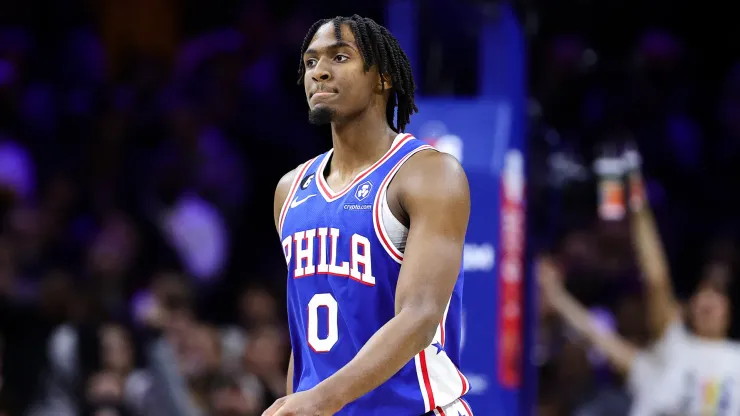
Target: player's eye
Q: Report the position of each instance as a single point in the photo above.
(310, 63)
(341, 58)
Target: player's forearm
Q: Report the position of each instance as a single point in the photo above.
(654, 269)
(289, 379)
(619, 352)
(384, 354)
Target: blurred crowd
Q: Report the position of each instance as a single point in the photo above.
(595, 89)
(140, 144)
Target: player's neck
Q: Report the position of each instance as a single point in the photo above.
(359, 143)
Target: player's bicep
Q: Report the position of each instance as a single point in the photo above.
(281, 193)
(435, 195)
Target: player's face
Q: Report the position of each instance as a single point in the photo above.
(710, 312)
(335, 79)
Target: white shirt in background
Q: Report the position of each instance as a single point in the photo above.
(684, 375)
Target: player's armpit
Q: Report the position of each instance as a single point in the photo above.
(432, 189)
(281, 193)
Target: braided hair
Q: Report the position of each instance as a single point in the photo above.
(378, 47)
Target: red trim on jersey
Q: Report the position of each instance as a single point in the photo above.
(291, 194)
(465, 385)
(442, 331)
(326, 191)
(377, 221)
(440, 411)
(425, 375)
(466, 406)
(328, 326)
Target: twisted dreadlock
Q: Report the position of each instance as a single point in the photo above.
(378, 47)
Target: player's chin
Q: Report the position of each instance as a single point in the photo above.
(321, 114)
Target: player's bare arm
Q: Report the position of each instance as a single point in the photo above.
(432, 190)
(281, 193)
(662, 305)
(620, 352)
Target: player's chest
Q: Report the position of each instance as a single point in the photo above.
(345, 216)
(335, 238)
(351, 209)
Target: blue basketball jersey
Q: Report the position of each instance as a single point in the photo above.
(342, 275)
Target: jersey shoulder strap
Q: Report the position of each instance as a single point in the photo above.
(302, 179)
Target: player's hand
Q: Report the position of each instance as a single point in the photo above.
(305, 403)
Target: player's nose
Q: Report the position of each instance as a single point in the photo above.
(321, 72)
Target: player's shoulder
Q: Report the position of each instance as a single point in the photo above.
(286, 181)
(285, 184)
(432, 170)
(283, 189)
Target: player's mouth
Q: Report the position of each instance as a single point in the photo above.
(321, 96)
(322, 89)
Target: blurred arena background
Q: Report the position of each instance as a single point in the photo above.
(141, 142)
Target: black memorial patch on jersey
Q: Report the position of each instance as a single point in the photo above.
(306, 181)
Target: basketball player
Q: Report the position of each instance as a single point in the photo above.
(685, 372)
(372, 232)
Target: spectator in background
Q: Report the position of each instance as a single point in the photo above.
(118, 359)
(265, 358)
(186, 360)
(257, 309)
(620, 353)
(227, 398)
(104, 396)
(110, 263)
(692, 349)
(671, 375)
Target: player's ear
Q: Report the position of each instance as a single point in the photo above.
(384, 82)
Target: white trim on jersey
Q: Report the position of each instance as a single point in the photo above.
(440, 381)
(378, 223)
(327, 192)
(456, 408)
(441, 329)
(293, 189)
